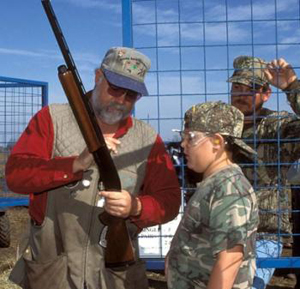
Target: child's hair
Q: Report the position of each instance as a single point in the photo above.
(229, 143)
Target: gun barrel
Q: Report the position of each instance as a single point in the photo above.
(119, 251)
(76, 103)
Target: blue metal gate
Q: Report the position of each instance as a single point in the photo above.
(20, 99)
(192, 44)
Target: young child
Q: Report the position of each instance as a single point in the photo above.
(214, 245)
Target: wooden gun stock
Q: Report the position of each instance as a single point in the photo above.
(118, 250)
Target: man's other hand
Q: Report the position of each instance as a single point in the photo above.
(121, 204)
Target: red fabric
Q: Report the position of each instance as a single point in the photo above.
(160, 195)
(30, 169)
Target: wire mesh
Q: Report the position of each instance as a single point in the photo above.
(19, 100)
(192, 45)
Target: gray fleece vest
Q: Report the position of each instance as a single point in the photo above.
(69, 235)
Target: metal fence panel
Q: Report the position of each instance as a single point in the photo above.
(20, 99)
(192, 45)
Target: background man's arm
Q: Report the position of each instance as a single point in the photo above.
(282, 75)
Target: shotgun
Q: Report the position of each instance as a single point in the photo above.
(119, 251)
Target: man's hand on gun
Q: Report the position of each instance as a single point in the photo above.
(121, 205)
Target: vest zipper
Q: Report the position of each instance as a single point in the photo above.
(87, 238)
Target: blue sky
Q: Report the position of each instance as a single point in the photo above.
(28, 48)
(265, 28)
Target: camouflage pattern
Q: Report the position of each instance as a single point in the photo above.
(221, 214)
(249, 70)
(275, 137)
(217, 117)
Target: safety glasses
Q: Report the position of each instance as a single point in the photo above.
(193, 138)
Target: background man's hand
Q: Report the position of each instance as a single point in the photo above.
(280, 73)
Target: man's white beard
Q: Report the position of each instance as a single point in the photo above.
(103, 112)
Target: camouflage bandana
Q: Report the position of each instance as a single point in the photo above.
(217, 117)
(249, 70)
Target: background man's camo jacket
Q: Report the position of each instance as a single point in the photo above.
(275, 137)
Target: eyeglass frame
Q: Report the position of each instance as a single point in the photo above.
(192, 135)
(131, 94)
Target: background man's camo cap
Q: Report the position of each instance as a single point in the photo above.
(249, 70)
(126, 67)
(217, 117)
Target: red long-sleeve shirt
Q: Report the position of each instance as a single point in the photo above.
(30, 169)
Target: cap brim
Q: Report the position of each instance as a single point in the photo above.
(232, 79)
(243, 80)
(245, 148)
(125, 82)
(238, 79)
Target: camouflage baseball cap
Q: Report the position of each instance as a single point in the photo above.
(249, 70)
(126, 67)
(217, 117)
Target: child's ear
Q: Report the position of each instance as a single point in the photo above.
(218, 141)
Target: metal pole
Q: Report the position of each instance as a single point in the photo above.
(127, 23)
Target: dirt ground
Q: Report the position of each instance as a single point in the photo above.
(18, 219)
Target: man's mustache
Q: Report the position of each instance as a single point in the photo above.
(240, 101)
(117, 106)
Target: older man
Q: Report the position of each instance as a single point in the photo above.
(50, 162)
(273, 135)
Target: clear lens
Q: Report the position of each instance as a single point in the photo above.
(193, 138)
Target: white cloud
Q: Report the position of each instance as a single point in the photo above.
(90, 58)
(114, 5)
(170, 13)
(215, 12)
(142, 13)
(291, 39)
(85, 62)
(285, 5)
(261, 10)
(28, 53)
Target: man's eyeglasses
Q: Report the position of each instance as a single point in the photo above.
(246, 90)
(130, 94)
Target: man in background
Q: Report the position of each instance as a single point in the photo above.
(272, 134)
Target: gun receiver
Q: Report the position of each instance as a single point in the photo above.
(119, 251)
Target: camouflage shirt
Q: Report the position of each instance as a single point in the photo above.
(275, 137)
(221, 214)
